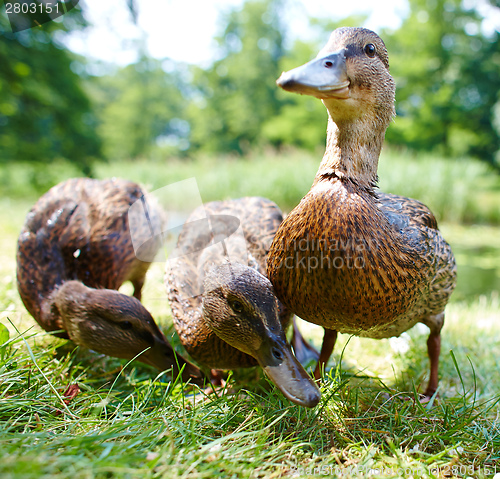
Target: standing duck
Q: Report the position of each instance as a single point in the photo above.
(351, 258)
(224, 308)
(74, 251)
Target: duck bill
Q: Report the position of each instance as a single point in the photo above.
(283, 369)
(324, 78)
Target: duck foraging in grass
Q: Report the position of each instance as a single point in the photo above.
(74, 251)
(351, 258)
(224, 308)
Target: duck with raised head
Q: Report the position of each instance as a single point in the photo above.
(74, 251)
(224, 308)
(351, 258)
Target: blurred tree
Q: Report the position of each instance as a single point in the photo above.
(301, 120)
(45, 114)
(141, 108)
(447, 73)
(237, 94)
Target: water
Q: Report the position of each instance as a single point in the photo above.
(477, 251)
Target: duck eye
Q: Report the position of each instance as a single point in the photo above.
(370, 50)
(277, 354)
(125, 325)
(236, 306)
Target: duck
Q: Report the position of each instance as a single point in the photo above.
(349, 257)
(224, 308)
(75, 250)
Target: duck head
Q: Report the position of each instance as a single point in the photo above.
(239, 305)
(350, 75)
(118, 325)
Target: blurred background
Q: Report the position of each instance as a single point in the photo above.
(159, 91)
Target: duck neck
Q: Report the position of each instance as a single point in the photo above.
(352, 152)
(54, 313)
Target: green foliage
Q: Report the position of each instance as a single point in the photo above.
(301, 120)
(477, 250)
(30, 179)
(4, 338)
(460, 190)
(237, 94)
(44, 112)
(447, 74)
(141, 109)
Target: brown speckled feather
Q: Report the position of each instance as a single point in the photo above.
(201, 245)
(352, 265)
(79, 230)
(350, 258)
(349, 264)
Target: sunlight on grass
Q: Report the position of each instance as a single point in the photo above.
(132, 425)
(72, 413)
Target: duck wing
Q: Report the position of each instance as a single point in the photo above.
(259, 220)
(79, 230)
(41, 259)
(97, 244)
(395, 207)
(419, 227)
(238, 230)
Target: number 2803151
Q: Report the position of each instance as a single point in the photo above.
(31, 8)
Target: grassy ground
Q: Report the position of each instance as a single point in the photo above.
(123, 421)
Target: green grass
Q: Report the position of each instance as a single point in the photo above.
(127, 422)
(458, 191)
(131, 424)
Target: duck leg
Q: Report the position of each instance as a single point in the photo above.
(217, 377)
(435, 323)
(329, 340)
(433, 350)
(138, 278)
(303, 351)
(138, 283)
